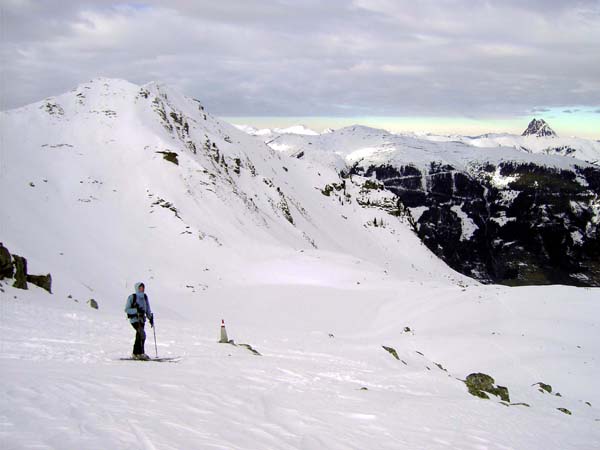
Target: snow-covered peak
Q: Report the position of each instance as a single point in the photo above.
(248, 129)
(169, 93)
(296, 129)
(362, 130)
(538, 127)
(301, 130)
(113, 151)
(105, 83)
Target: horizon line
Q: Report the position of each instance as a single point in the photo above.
(586, 128)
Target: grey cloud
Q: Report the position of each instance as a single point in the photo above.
(340, 57)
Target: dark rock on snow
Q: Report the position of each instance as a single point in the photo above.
(544, 387)
(6, 265)
(20, 272)
(251, 349)
(170, 156)
(16, 266)
(479, 384)
(43, 281)
(392, 351)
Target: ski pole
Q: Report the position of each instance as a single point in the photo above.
(154, 329)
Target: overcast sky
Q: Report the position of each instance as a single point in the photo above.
(336, 58)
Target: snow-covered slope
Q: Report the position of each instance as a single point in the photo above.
(315, 271)
(63, 387)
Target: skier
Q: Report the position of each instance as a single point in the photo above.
(138, 309)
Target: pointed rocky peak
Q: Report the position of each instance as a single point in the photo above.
(539, 128)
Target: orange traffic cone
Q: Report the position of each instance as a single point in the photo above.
(224, 339)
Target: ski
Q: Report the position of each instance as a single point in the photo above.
(165, 359)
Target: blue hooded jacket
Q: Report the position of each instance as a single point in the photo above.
(138, 306)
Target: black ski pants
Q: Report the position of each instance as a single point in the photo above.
(140, 338)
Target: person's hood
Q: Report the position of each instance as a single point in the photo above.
(137, 286)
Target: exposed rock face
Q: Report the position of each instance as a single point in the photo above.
(544, 387)
(170, 156)
(512, 223)
(20, 272)
(43, 281)
(538, 127)
(6, 265)
(16, 266)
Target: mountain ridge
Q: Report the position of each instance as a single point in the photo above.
(89, 144)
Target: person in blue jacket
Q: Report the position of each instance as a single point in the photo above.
(138, 309)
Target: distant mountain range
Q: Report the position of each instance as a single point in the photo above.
(497, 207)
(538, 137)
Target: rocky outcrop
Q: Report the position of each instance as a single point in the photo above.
(392, 351)
(20, 272)
(514, 223)
(170, 156)
(43, 281)
(6, 266)
(15, 266)
(480, 384)
(543, 387)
